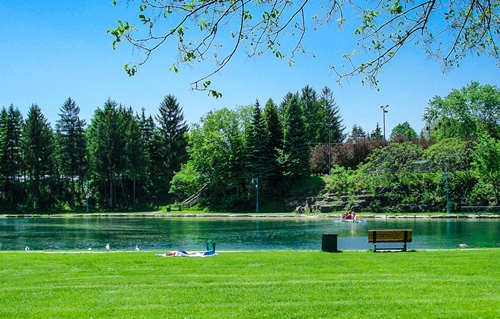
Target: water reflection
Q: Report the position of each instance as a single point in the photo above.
(236, 233)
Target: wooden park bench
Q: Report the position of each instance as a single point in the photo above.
(390, 236)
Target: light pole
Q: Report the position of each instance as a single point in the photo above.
(384, 110)
(255, 181)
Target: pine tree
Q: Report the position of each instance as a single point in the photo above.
(332, 118)
(376, 133)
(38, 147)
(106, 138)
(72, 154)
(283, 105)
(171, 129)
(137, 155)
(12, 160)
(296, 150)
(275, 131)
(258, 152)
(4, 120)
(147, 126)
(313, 116)
(357, 132)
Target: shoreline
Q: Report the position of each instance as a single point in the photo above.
(160, 214)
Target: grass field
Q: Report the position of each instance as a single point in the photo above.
(257, 284)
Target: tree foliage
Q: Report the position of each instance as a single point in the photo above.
(171, 143)
(38, 151)
(216, 30)
(11, 161)
(487, 163)
(71, 144)
(465, 113)
(449, 155)
(259, 154)
(403, 131)
(296, 150)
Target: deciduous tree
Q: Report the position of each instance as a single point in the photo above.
(216, 30)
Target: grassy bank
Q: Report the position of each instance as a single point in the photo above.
(259, 284)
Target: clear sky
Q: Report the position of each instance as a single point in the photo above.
(52, 50)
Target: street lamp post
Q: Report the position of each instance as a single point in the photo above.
(255, 181)
(384, 110)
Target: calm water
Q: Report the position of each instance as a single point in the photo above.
(235, 233)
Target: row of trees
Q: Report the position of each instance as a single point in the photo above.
(120, 160)
(461, 138)
(229, 149)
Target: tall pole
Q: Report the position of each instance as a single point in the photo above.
(256, 181)
(384, 110)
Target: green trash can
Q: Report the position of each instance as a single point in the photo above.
(329, 243)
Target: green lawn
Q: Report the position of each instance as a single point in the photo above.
(257, 284)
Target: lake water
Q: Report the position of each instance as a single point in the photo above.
(233, 233)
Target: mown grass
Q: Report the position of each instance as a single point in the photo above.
(258, 284)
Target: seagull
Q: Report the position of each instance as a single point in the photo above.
(26, 248)
(107, 246)
(137, 248)
(89, 248)
(463, 245)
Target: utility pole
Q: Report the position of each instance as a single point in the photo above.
(384, 110)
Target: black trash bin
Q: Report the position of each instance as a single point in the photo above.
(329, 243)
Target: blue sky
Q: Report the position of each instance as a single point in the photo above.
(51, 50)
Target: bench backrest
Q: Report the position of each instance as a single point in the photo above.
(390, 235)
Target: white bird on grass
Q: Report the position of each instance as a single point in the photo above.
(89, 248)
(26, 248)
(137, 248)
(463, 245)
(107, 246)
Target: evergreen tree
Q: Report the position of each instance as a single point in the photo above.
(376, 133)
(257, 148)
(171, 129)
(38, 147)
(357, 132)
(331, 117)
(137, 155)
(314, 120)
(296, 150)
(275, 131)
(106, 138)
(72, 154)
(12, 160)
(283, 105)
(274, 126)
(147, 126)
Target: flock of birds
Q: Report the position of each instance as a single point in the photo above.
(107, 247)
